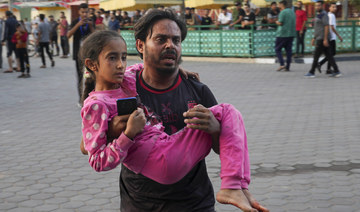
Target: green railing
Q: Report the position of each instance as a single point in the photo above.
(248, 43)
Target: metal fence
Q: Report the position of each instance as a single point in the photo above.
(249, 43)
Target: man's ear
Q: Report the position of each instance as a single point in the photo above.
(90, 64)
(140, 46)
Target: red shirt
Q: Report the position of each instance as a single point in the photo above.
(99, 20)
(301, 17)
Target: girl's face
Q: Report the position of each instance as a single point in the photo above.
(111, 64)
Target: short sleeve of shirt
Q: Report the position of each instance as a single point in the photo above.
(332, 20)
(325, 20)
(281, 17)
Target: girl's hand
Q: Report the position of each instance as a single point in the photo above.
(135, 123)
(188, 74)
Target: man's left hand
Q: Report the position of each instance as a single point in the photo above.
(202, 118)
(188, 74)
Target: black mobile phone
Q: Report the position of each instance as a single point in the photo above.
(126, 105)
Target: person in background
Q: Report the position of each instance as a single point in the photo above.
(114, 23)
(273, 15)
(189, 18)
(20, 40)
(106, 19)
(237, 15)
(54, 25)
(206, 19)
(44, 40)
(255, 9)
(196, 16)
(264, 21)
(161, 7)
(80, 28)
(27, 25)
(9, 30)
(248, 19)
(64, 42)
(92, 15)
(333, 34)
(285, 35)
(126, 20)
(119, 16)
(35, 33)
(143, 12)
(99, 25)
(321, 41)
(136, 17)
(224, 18)
(1, 37)
(301, 18)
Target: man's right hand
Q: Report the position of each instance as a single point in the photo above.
(117, 125)
(326, 43)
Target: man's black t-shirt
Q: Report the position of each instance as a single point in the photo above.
(249, 17)
(206, 21)
(80, 34)
(192, 193)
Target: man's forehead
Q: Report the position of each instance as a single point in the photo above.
(166, 27)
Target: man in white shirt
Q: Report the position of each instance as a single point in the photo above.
(332, 37)
(224, 18)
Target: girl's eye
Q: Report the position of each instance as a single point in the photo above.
(112, 58)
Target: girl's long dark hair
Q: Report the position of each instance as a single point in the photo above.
(91, 49)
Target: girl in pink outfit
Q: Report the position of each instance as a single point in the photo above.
(144, 147)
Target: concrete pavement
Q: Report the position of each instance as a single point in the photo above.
(303, 137)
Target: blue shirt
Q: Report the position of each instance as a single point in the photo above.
(114, 25)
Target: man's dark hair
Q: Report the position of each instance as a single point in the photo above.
(83, 6)
(42, 17)
(8, 13)
(272, 3)
(332, 3)
(125, 13)
(321, 2)
(283, 3)
(224, 7)
(143, 27)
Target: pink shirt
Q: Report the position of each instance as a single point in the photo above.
(63, 30)
(99, 108)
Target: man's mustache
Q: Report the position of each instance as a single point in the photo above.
(168, 52)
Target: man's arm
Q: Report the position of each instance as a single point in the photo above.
(326, 34)
(337, 34)
(73, 29)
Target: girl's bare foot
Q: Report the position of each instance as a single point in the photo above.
(253, 202)
(234, 197)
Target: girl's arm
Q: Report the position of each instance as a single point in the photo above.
(102, 156)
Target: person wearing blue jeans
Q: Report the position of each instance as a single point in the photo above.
(285, 34)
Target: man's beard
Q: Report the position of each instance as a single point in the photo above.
(167, 70)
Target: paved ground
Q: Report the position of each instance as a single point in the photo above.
(303, 135)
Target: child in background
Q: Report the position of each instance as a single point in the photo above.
(144, 147)
(20, 39)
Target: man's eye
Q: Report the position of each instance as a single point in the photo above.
(123, 58)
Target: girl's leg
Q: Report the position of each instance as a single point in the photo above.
(165, 158)
(234, 156)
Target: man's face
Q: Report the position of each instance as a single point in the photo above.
(333, 8)
(112, 16)
(51, 18)
(187, 12)
(273, 7)
(318, 6)
(298, 5)
(223, 11)
(246, 8)
(83, 12)
(207, 12)
(163, 49)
